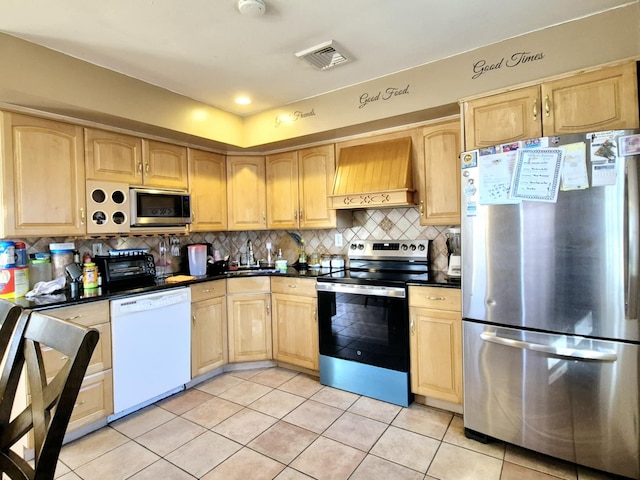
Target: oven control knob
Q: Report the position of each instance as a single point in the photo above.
(361, 246)
(353, 246)
(404, 247)
(412, 247)
(421, 247)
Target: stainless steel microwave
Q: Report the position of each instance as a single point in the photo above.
(155, 208)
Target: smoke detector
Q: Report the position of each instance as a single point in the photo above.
(251, 8)
(323, 56)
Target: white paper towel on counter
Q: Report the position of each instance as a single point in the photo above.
(46, 288)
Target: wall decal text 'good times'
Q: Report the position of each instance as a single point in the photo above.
(518, 58)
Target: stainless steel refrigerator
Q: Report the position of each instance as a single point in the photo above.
(550, 272)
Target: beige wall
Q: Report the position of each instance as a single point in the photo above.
(42, 79)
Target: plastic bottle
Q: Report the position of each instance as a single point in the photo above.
(90, 276)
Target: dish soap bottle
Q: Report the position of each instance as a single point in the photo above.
(302, 257)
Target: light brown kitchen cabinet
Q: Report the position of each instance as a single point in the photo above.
(117, 157)
(95, 400)
(295, 321)
(208, 327)
(440, 176)
(604, 99)
(246, 193)
(249, 319)
(298, 187)
(208, 189)
(112, 156)
(164, 165)
(436, 342)
(42, 178)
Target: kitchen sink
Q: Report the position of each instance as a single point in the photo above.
(250, 272)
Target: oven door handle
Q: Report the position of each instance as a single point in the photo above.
(370, 290)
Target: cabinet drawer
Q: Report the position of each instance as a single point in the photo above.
(294, 286)
(248, 285)
(87, 314)
(208, 290)
(436, 298)
(100, 359)
(95, 400)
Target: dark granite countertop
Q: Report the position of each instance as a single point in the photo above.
(65, 298)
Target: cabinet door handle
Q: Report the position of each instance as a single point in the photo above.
(207, 290)
(146, 168)
(436, 298)
(411, 327)
(301, 215)
(83, 216)
(193, 318)
(422, 208)
(292, 286)
(72, 318)
(547, 105)
(193, 215)
(264, 217)
(79, 403)
(315, 314)
(268, 309)
(535, 109)
(295, 215)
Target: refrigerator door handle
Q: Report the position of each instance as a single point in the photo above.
(557, 351)
(632, 247)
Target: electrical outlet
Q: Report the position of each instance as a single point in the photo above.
(96, 249)
(339, 240)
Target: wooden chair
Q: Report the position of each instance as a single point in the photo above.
(9, 315)
(47, 416)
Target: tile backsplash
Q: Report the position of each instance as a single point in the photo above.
(382, 224)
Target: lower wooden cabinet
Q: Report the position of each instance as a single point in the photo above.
(295, 321)
(436, 342)
(208, 327)
(95, 399)
(249, 319)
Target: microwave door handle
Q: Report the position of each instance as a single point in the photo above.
(572, 353)
(632, 240)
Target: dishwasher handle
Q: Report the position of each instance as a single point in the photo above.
(574, 353)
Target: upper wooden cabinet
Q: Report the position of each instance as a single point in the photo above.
(118, 157)
(246, 195)
(605, 99)
(316, 168)
(208, 182)
(43, 177)
(113, 156)
(165, 165)
(440, 174)
(298, 186)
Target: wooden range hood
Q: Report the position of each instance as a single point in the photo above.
(374, 175)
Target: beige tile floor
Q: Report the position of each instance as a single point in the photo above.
(279, 424)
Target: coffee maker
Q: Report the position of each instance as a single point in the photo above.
(453, 246)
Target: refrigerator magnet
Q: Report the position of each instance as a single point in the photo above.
(629, 145)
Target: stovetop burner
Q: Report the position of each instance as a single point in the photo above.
(384, 263)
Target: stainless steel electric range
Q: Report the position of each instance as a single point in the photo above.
(363, 317)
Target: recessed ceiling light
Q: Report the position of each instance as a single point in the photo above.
(243, 100)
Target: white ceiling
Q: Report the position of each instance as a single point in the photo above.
(206, 50)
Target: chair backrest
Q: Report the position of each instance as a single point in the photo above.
(47, 416)
(9, 315)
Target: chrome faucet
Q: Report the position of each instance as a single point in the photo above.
(251, 260)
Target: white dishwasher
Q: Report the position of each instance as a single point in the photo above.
(151, 344)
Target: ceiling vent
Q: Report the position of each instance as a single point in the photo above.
(323, 56)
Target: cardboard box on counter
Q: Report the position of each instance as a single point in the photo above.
(14, 282)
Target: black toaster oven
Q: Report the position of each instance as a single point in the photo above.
(126, 271)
